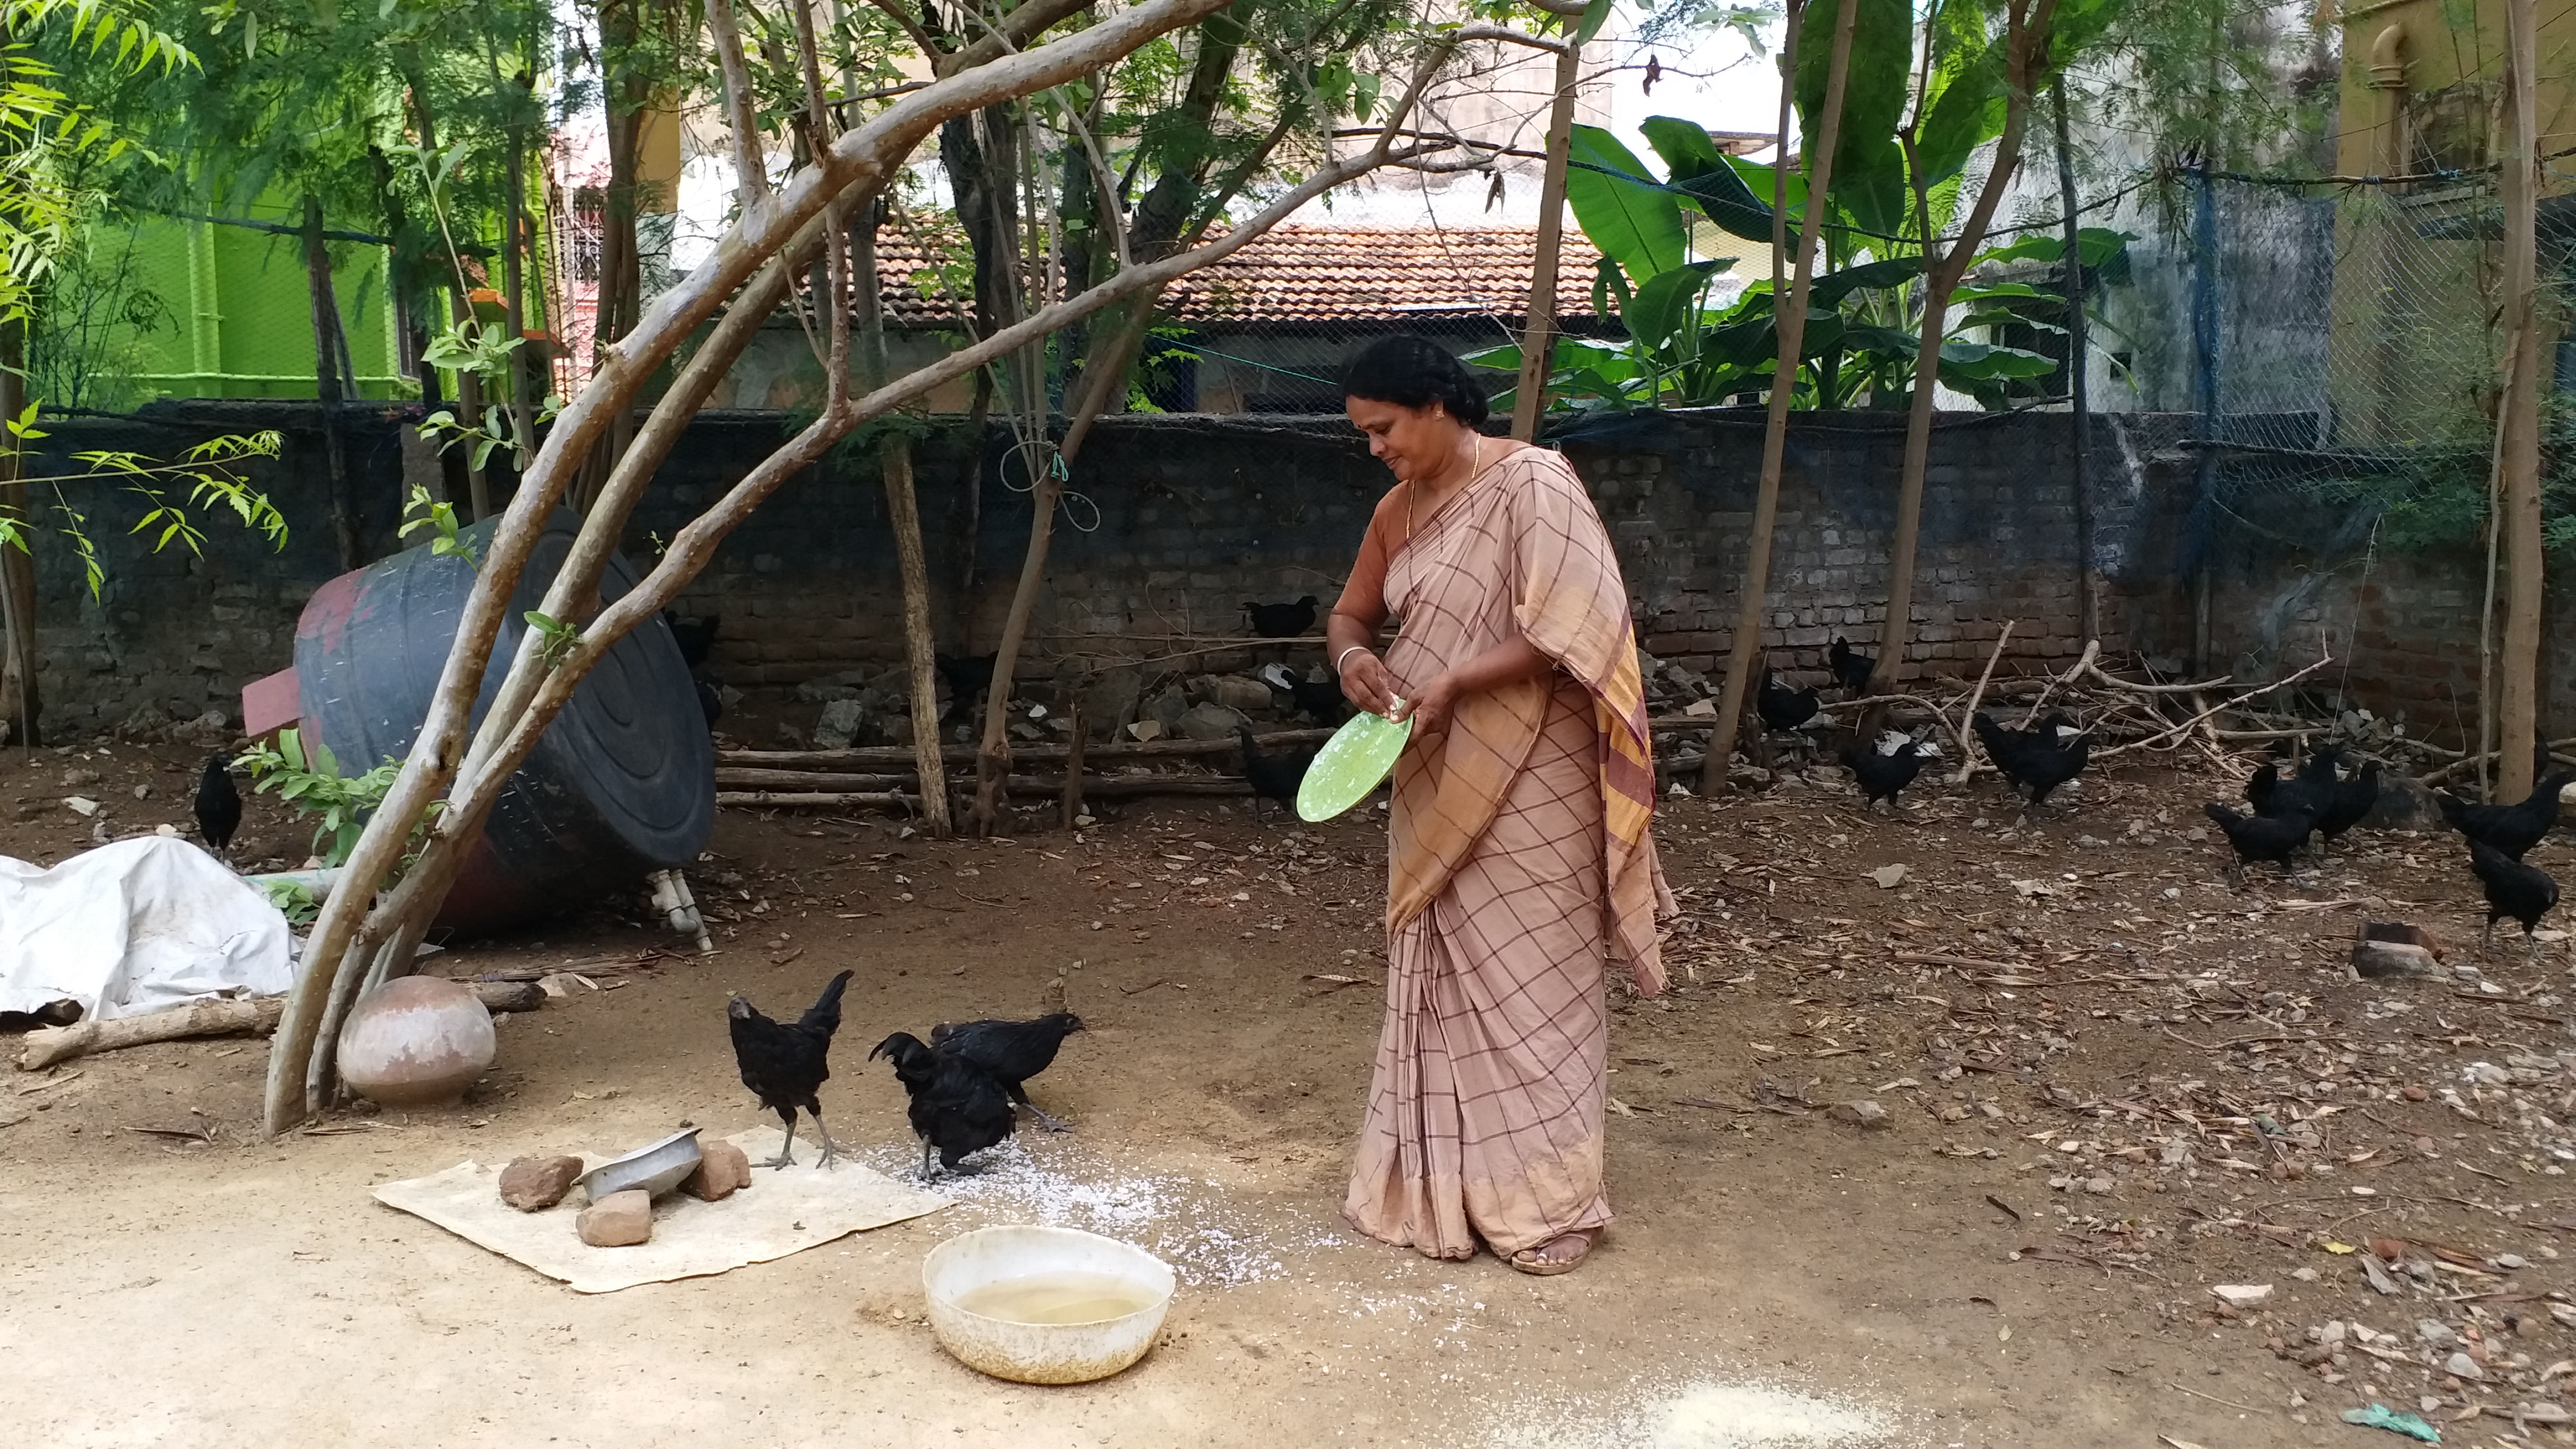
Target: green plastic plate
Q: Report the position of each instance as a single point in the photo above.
(1351, 764)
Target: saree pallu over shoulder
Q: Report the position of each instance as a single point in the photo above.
(1523, 550)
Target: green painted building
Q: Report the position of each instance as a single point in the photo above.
(239, 317)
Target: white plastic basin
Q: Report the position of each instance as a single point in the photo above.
(995, 1259)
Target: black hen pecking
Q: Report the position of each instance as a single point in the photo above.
(2511, 829)
(696, 637)
(2262, 837)
(218, 804)
(1781, 707)
(2354, 799)
(1011, 1052)
(957, 1107)
(1318, 699)
(1275, 775)
(2310, 792)
(1281, 621)
(969, 677)
(784, 1063)
(2524, 892)
(1882, 773)
(1851, 667)
(2035, 760)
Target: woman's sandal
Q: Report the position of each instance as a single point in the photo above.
(1536, 1262)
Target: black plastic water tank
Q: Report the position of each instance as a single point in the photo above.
(622, 783)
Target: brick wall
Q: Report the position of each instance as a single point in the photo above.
(1174, 522)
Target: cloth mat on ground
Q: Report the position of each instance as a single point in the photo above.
(784, 1211)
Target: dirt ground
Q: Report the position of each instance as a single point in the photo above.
(2111, 1081)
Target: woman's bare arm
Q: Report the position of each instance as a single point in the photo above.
(1364, 676)
(1507, 663)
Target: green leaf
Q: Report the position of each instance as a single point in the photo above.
(1876, 85)
(1594, 15)
(1622, 209)
(1830, 289)
(1658, 310)
(1981, 362)
(1700, 171)
(1964, 100)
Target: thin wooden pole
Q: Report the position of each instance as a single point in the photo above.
(1789, 325)
(904, 512)
(2088, 577)
(2518, 421)
(326, 380)
(1538, 334)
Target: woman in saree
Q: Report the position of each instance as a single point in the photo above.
(1518, 855)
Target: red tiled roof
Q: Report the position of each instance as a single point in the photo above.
(1302, 274)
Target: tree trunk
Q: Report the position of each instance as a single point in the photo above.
(2088, 574)
(514, 299)
(1789, 328)
(1538, 333)
(2027, 48)
(2518, 422)
(903, 512)
(326, 382)
(21, 705)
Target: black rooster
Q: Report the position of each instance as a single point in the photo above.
(784, 1062)
(957, 1107)
(969, 676)
(1274, 775)
(1318, 699)
(1882, 773)
(1011, 1052)
(2261, 837)
(2524, 892)
(2511, 829)
(2354, 799)
(1780, 707)
(1281, 621)
(2035, 760)
(696, 637)
(710, 701)
(1851, 667)
(218, 804)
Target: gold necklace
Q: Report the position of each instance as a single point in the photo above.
(1476, 454)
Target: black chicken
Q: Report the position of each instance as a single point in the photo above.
(2035, 760)
(957, 1107)
(2262, 837)
(2511, 829)
(218, 804)
(1851, 667)
(784, 1062)
(1882, 774)
(710, 701)
(1318, 699)
(2354, 799)
(1275, 775)
(969, 676)
(2524, 892)
(1011, 1052)
(1281, 621)
(696, 637)
(1780, 707)
(2310, 792)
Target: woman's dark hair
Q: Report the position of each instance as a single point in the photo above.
(1415, 372)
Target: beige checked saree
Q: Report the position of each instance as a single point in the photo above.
(1519, 861)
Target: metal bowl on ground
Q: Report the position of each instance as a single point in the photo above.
(1045, 1305)
(657, 1168)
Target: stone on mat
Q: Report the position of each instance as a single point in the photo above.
(533, 1184)
(619, 1220)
